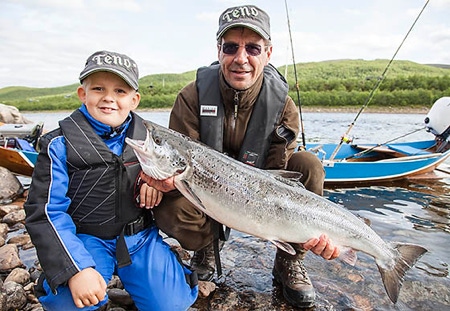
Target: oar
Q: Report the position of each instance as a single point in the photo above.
(442, 170)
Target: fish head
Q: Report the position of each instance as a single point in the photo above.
(156, 154)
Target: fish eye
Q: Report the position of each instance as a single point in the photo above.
(157, 140)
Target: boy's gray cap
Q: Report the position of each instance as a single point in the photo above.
(120, 64)
(248, 16)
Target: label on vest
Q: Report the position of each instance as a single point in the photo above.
(250, 158)
(208, 111)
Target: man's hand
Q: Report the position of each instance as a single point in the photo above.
(322, 247)
(165, 185)
(88, 288)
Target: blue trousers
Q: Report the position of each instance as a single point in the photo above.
(155, 279)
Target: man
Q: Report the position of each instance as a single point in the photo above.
(240, 106)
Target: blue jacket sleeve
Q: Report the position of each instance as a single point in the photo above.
(60, 252)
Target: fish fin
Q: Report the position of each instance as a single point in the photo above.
(290, 178)
(348, 255)
(392, 277)
(292, 175)
(284, 246)
(184, 188)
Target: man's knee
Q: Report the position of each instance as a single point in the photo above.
(313, 174)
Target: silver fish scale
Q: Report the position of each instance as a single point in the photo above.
(256, 202)
(270, 207)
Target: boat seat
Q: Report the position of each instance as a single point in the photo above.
(408, 150)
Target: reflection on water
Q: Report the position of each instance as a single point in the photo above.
(412, 211)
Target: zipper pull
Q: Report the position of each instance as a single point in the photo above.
(236, 103)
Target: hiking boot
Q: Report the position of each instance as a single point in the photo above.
(204, 263)
(289, 271)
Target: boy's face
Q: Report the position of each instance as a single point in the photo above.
(108, 98)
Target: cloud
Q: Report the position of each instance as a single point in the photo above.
(45, 42)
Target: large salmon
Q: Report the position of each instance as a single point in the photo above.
(265, 204)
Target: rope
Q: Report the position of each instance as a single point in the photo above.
(379, 145)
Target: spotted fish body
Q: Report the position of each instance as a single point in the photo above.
(264, 204)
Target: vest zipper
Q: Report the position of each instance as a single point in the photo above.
(236, 104)
(234, 118)
(119, 182)
(235, 114)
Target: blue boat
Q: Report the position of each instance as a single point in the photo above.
(375, 163)
(17, 147)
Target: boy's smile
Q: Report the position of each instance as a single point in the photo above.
(108, 98)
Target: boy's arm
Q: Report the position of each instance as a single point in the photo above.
(60, 252)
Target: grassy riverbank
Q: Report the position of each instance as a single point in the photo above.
(338, 85)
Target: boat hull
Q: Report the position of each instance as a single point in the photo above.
(373, 163)
(18, 161)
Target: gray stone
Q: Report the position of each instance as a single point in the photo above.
(20, 239)
(10, 186)
(16, 297)
(9, 257)
(11, 115)
(19, 275)
(14, 217)
(120, 297)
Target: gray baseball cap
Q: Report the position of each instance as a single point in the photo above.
(120, 64)
(248, 16)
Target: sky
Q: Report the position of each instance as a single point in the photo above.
(45, 43)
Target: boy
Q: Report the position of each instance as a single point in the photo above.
(81, 209)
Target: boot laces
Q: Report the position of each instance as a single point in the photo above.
(203, 257)
(296, 271)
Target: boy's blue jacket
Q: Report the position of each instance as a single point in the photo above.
(83, 182)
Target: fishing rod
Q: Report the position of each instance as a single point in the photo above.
(377, 85)
(361, 153)
(297, 88)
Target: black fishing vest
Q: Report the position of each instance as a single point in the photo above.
(264, 119)
(101, 184)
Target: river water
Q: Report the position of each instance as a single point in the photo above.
(412, 211)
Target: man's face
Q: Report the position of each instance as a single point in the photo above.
(240, 65)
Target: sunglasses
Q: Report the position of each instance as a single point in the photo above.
(232, 48)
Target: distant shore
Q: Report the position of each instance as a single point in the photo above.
(398, 110)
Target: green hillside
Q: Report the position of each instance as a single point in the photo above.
(361, 69)
(326, 83)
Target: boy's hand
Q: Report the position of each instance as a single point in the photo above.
(149, 197)
(88, 288)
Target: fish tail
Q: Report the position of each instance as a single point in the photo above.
(392, 277)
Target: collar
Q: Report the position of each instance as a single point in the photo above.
(246, 97)
(103, 130)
